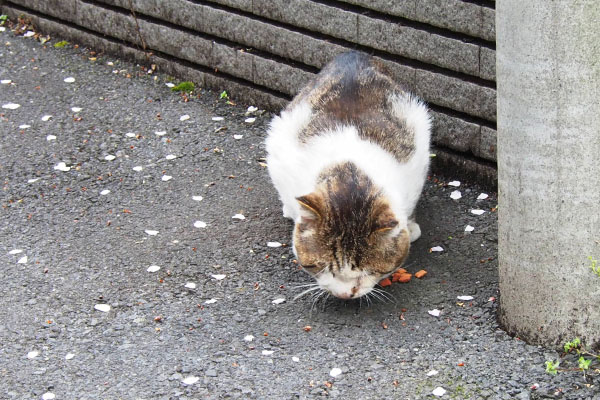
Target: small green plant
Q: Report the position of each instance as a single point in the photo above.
(61, 44)
(574, 344)
(184, 87)
(584, 364)
(552, 367)
(3, 19)
(584, 360)
(594, 266)
(223, 95)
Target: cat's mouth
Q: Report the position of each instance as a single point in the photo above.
(346, 290)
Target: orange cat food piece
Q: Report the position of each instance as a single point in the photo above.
(399, 276)
(385, 282)
(420, 274)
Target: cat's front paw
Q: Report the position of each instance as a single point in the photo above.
(414, 231)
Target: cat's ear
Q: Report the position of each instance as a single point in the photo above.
(311, 206)
(384, 221)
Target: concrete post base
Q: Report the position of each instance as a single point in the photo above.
(548, 72)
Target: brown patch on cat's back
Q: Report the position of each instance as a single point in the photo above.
(356, 90)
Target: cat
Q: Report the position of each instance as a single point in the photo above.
(349, 157)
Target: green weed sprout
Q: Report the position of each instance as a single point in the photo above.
(61, 44)
(584, 360)
(552, 367)
(594, 266)
(184, 87)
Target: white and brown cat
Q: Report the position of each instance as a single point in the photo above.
(349, 157)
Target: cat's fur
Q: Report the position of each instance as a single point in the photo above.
(349, 157)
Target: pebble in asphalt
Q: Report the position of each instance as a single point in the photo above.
(119, 282)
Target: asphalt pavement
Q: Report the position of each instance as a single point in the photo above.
(144, 255)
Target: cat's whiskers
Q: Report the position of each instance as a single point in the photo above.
(312, 288)
(386, 296)
(303, 286)
(317, 297)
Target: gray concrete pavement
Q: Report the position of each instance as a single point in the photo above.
(84, 229)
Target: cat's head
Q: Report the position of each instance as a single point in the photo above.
(348, 238)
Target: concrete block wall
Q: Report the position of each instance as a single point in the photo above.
(264, 51)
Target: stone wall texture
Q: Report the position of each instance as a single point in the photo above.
(264, 51)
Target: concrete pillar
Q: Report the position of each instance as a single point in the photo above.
(548, 74)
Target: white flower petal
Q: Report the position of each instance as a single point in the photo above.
(238, 137)
(5, 81)
(69, 356)
(190, 380)
(15, 251)
(197, 198)
(477, 212)
(219, 277)
(69, 79)
(455, 195)
(437, 248)
(48, 396)
(160, 133)
(169, 84)
(465, 298)
(249, 120)
(278, 301)
(76, 109)
(469, 228)
(24, 126)
(171, 156)
(151, 232)
(61, 166)
(433, 372)
(190, 285)
(200, 224)
(130, 135)
(218, 118)
(184, 117)
(435, 312)
(102, 307)
(33, 354)
(104, 192)
(211, 301)
(248, 338)
(438, 391)
(267, 352)
(252, 109)
(28, 34)
(11, 106)
(153, 268)
(110, 157)
(454, 183)
(166, 178)
(274, 244)
(295, 359)
(46, 118)
(335, 372)
(482, 196)
(239, 216)
(138, 168)
(22, 260)
(50, 137)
